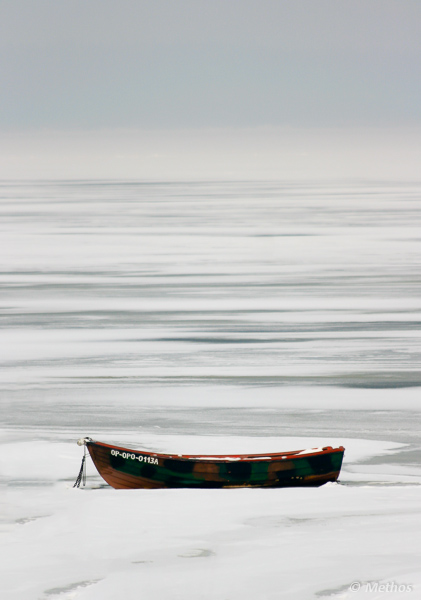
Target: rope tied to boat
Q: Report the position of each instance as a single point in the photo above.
(81, 478)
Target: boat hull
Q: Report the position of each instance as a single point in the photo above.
(123, 468)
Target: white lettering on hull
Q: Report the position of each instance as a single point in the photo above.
(140, 457)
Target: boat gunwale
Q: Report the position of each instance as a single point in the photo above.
(261, 457)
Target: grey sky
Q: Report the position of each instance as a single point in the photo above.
(214, 63)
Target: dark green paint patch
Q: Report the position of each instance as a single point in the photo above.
(179, 466)
(147, 471)
(320, 464)
(238, 470)
(117, 462)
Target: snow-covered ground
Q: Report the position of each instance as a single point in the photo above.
(210, 317)
(92, 543)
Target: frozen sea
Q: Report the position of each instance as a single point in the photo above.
(203, 317)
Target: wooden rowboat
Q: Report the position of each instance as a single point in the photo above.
(123, 468)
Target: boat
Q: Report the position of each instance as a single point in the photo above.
(125, 468)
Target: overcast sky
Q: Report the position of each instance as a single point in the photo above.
(162, 64)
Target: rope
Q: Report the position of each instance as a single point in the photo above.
(81, 478)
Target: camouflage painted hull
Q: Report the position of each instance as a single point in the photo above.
(123, 468)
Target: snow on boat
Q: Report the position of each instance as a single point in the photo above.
(124, 468)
